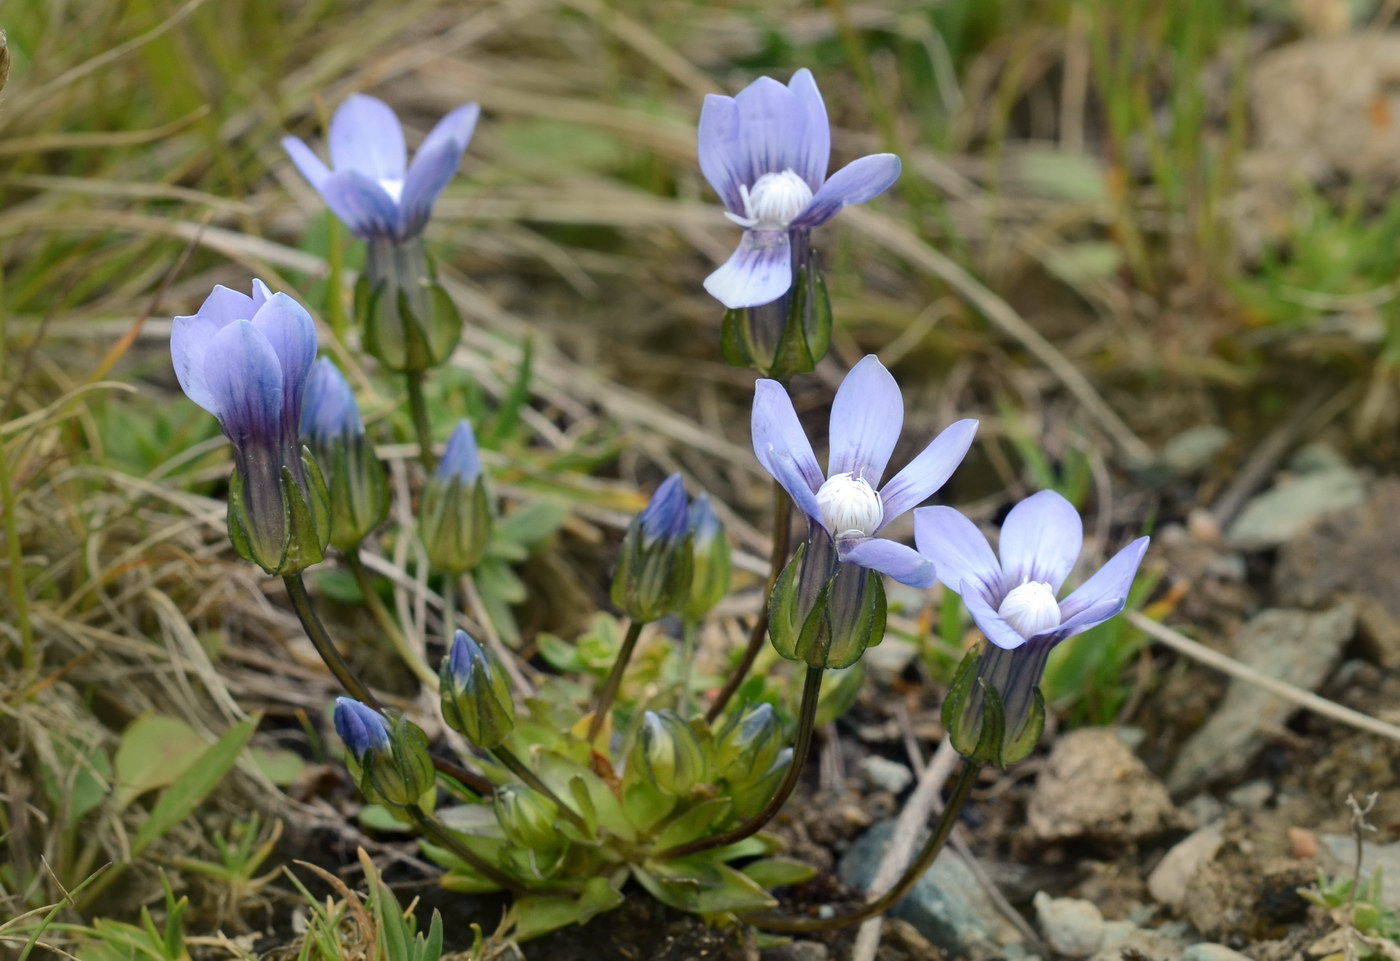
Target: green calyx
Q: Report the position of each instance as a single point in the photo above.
(652, 580)
(787, 337)
(455, 522)
(397, 776)
(292, 542)
(410, 323)
(826, 617)
(478, 706)
(358, 488)
(991, 722)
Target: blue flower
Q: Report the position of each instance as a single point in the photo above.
(848, 500)
(329, 411)
(703, 523)
(362, 728)
(1013, 600)
(765, 152)
(246, 360)
(373, 188)
(666, 514)
(460, 459)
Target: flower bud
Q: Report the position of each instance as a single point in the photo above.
(476, 696)
(994, 711)
(654, 570)
(409, 321)
(710, 559)
(454, 518)
(357, 483)
(823, 611)
(667, 754)
(748, 745)
(750, 800)
(528, 818)
(788, 336)
(388, 759)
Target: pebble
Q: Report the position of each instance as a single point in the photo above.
(885, 774)
(1167, 882)
(1072, 926)
(1205, 951)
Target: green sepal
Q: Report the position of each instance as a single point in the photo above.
(455, 524)
(709, 583)
(833, 632)
(1019, 744)
(395, 334)
(482, 708)
(855, 630)
(306, 521)
(359, 490)
(404, 773)
(803, 340)
(652, 580)
(975, 718)
(784, 615)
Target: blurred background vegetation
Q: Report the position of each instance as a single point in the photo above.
(1132, 236)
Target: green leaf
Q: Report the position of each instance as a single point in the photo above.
(185, 793)
(560, 654)
(154, 751)
(693, 823)
(536, 915)
(280, 766)
(778, 872)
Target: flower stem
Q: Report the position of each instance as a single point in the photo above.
(911, 875)
(419, 406)
(614, 681)
(321, 640)
(782, 537)
(689, 628)
(806, 718)
(387, 624)
(512, 760)
(441, 836)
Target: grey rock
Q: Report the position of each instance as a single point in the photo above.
(887, 660)
(1251, 795)
(798, 951)
(1093, 786)
(1159, 944)
(1116, 933)
(1167, 882)
(1282, 512)
(1383, 856)
(1294, 646)
(1191, 451)
(1205, 951)
(947, 905)
(1073, 927)
(885, 774)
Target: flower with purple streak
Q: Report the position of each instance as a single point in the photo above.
(1013, 599)
(765, 152)
(362, 728)
(848, 501)
(373, 188)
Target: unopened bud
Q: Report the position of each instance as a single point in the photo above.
(655, 567)
(455, 517)
(475, 694)
(388, 758)
(748, 745)
(667, 754)
(711, 562)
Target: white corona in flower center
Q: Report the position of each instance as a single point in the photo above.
(394, 188)
(850, 507)
(773, 202)
(1031, 608)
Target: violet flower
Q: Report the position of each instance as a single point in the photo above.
(373, 188)
(765, 152)
(848, 501)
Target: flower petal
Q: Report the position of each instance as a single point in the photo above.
(366, 137)
(865, 420)
(226, 305)
(959, 551)
(899, 561)
(306, 161)
(433, 166)
(189, 345)
(292, 334)
(777, 431)
(329, 410)
(460, 458)
(816, 146)
(786, 472)
(992, 624)
(362, 204)
(1091, 616)
(927, 472)
(718, 148)
(1040, 540)
(1112, 582)
(244, 377)
(858, 181)
(759, 272)
(261, 295)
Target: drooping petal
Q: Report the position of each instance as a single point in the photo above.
(929, 471)
(786, 472)
(866, 417)
(306, 161)
(958, 550)
(772, 130)
(433, 166)
(292, 334)
(899, 561)
(759, 272)
(244, 376)
(1112, 582)
(366, 137)
(460, 458)
(776, 429)
(189, 343)
(992, 624)
(718, 148)
(858, 181)
(362, 204)
(816, 146)
(1040, 540)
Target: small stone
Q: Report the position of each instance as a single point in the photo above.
(888, 660)
(885, 774)
(1160, 944)
(1292, 506)
(1168, 881)
(1072, 926)
(1205, 951)
(798, 951)
(1094, 787)
(1190, 452)
(1303, 842)
(1251, 795)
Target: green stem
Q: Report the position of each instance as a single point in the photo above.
(421, 426)
(806, 718)
(901, 887)
(511, 760)
(441, 836)
(782, 538)
(19, 592)
(387, 624)
(321, 640)
(688, 631)
(614, 681)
